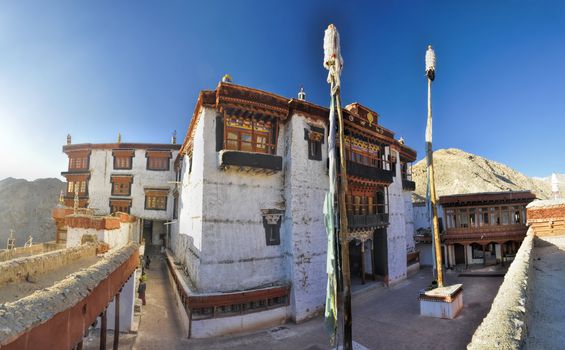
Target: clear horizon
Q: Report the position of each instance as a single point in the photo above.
(96, 69)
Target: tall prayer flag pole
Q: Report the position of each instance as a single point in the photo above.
(334, 63)
(430, 73)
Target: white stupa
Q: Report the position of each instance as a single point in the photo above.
(554, 186)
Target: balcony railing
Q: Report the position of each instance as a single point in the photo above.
(408, 185)
(267, 162)
(364, 221)
(369, 172)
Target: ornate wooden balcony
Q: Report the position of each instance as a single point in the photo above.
(364, 221)
(486, 233)
(248, 161)
(369, 172)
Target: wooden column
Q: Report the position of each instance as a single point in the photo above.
(362, 262)
(465, 250)
(116, 321)
(502, 253)
(343, 234)
(373, 274)
(103, 329)
(484, 256)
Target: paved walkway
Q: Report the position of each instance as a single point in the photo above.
(383, 318)
(160, 326)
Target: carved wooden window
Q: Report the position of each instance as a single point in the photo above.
(123, 159)
(249, 134)
(158, 160)
(77, 183)
(156, 199)
(364, 152)
(121, 185)
(315, 138)
(367, 202)
(120, 205)
(79, 160)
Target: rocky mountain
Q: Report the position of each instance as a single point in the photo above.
(459, 172)
(25, 207)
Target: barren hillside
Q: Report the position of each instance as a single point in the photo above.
(25, 207)
(459, 172)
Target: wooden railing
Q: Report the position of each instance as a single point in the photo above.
(371, 220)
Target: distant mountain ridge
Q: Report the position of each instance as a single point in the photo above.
(460, 172)
(25, 207)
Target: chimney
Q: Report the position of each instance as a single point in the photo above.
(69, 140)
(174, 138)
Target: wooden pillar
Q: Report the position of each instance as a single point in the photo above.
(103, 329)
(116, 321)
(362, 262)
(484, 256)
(502, 253)
(373, 274)
(465, 250)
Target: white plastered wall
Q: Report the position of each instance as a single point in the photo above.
(235, 254)
(100, 187)
(306, 183)
(396, 231)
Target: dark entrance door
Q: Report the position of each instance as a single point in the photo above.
(148, 232)
(380, 252)
(459, 254)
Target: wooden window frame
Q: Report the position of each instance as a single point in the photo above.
(118, 180)
(152, 155)
(113, 203)
(79, 160)
(315, 138)
(151, 194)
(77, 180)
(237, 143)
(375, 159)
(121, 154)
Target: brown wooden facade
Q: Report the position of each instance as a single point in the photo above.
(484, 226)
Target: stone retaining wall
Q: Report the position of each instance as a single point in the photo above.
(86, 293)
(505, 325)
(24, 251)
(19, 269)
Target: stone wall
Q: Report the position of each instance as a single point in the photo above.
(72, 304)
(505, 325)
(19, 269)
(25, 251)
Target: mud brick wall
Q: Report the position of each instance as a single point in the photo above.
(19, 269)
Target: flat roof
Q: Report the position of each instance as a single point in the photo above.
(487, 197)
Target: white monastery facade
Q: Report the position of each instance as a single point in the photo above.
(252, 175)
(133, 178)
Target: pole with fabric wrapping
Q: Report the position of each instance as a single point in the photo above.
(334, 63)
(430, 73)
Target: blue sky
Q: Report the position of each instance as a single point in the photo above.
(93, 69)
